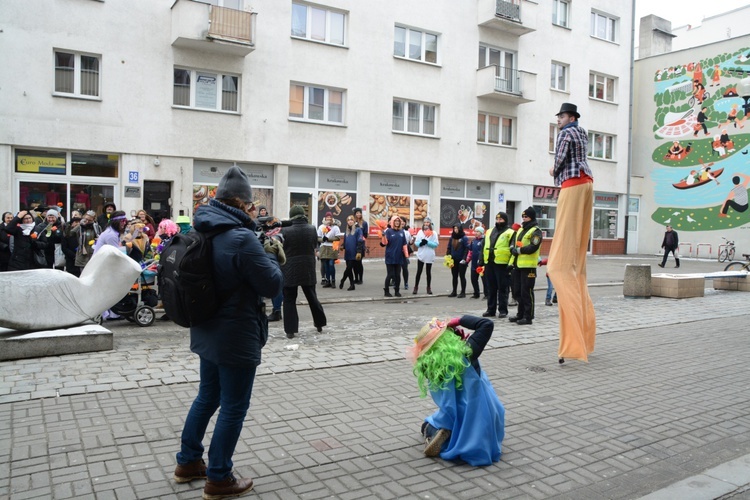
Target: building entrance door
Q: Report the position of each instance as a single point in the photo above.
(156, 199)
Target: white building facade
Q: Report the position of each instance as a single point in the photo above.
(420, 108)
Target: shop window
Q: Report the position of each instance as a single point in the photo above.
(94, 165)
(605, 224)
(545, 217)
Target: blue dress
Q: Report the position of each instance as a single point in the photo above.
(474, 415)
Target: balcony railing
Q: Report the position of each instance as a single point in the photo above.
(507, 80)
(508, 10)
(507, 16)
(230, 25)
(506, 84)
(200, 26)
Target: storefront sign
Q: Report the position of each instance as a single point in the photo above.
(453, 188)
(132, 192)
(605, 200)
(209, 172)
(546, 193)
(396, 184)
(337, 180)
(40, 165)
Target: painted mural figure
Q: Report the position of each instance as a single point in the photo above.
(716, 77)
(732, 117)
(737, 198)
(702, 117)
(699, 92)
(705, 174)
(726, 141)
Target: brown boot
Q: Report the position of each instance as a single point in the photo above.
(184, 473)
(226, 488)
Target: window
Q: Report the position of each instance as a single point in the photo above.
(601, 87)
(77, 74)
(560, 12)
(316, 104)
(559, 77)
(603, 26)
(417, 45)
(493, 129)
(553, 131)
(601, 146)
(317, 24)
(205, 90)
(414, 117)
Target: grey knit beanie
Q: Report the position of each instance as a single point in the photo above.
(296, 210)
(234, 184)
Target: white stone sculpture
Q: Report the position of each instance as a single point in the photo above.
(48, 298)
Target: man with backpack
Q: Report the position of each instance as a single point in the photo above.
(229, 343)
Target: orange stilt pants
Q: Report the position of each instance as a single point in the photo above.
(567, 270)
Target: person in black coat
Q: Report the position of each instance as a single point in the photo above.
(300, 242)
(5, 241)
(107, 211)
(670, 243)
(230, 343)
(21, 228)
(48, 234)
(69, 244)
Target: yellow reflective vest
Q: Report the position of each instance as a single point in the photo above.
(530, 260)
(502, 246)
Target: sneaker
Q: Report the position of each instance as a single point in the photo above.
(523, 321)
(406, 286)
(547, 302)
(290, 335)
(488, 314)
(184, 473)
(513, 319)
(275, 316)
(226, 488)
(433, 445)
(502, 315)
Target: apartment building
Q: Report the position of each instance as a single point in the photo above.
(421, 108)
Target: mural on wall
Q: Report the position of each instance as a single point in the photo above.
(702, 170)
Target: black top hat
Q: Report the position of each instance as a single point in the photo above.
(570, 109)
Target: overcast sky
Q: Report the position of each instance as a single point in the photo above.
(682, 12)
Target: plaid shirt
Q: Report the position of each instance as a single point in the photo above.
(570, 154)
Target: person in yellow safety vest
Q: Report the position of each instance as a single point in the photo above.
(495, 257)
(525, 259)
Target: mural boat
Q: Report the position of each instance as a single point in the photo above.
(683, 185)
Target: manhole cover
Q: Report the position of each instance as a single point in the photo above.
(536, 369)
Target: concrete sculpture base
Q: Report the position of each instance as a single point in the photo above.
(637, 282)
(85, 338)
(678, 286)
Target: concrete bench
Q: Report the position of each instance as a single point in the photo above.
(731, 280)
(78, 339)
(678, 286)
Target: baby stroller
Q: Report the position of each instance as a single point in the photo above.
(138, 305)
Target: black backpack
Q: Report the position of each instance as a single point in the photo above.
(186, 279)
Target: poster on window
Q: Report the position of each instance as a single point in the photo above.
(469, 214)
(205, 91)
(383, 207)
(339, 203)
(204, 192)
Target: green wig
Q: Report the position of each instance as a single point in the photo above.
(442, 363)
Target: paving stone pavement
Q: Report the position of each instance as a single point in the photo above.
(665, 397)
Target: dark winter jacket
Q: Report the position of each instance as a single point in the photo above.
(47, 238)
(354, 244)
(300, 242)
(24, 247)
(671, 240)
(476, 247)
(4, 247)
(458, 247)
(394, 250)
(243, 274)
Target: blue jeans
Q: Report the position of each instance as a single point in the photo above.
(276, 301)
(329, 268)
(550, 289)
(229, 387)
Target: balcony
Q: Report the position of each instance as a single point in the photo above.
(208, 28)
(506, 84)
(516, 17)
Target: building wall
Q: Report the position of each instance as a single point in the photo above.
(135, 119)
(665, 110)
(724, 26)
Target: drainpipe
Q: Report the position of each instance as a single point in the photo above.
(630, 122)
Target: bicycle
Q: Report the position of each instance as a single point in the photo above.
(739, 265)
(726, 253)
